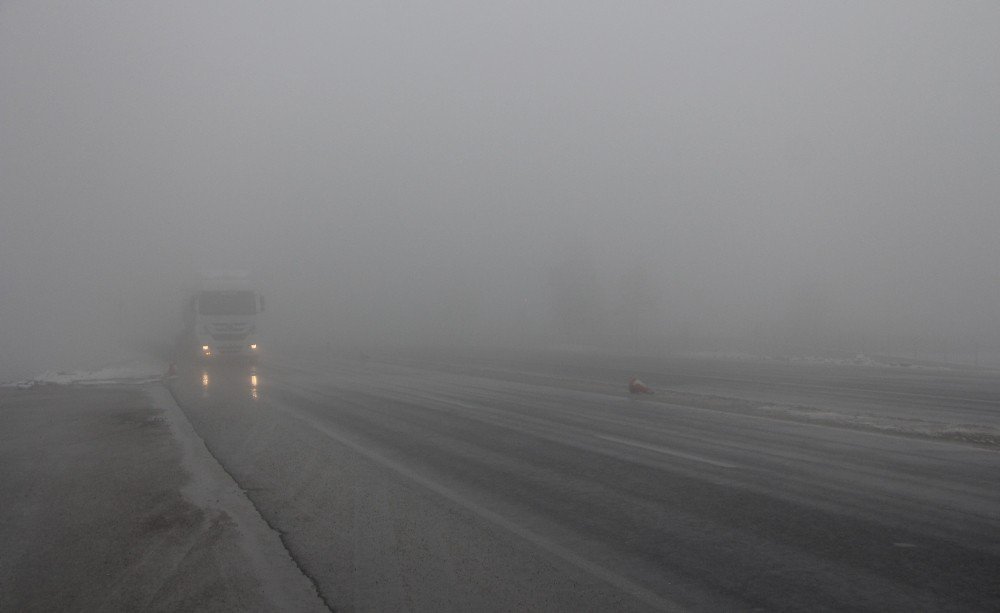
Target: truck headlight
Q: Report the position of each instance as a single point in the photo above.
(253, 346)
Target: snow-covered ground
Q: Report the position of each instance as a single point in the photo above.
(983, 434)
(128, 369)
(860, 359)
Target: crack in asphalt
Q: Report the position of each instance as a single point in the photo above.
(282, 536)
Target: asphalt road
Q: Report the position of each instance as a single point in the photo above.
(109, 502)
(439, 482)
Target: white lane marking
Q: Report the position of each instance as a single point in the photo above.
(638, 592)
(665, 451)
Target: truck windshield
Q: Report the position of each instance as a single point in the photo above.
(227, 303)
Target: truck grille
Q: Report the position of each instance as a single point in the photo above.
(228, 337)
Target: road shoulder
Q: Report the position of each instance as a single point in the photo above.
(112, 502)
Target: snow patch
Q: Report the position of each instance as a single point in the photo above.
(133, 371)
(969, 433)
(859, 359)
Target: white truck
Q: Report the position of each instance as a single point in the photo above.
(223, 317)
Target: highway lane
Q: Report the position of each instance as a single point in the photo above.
(499, 484)
(958, 394)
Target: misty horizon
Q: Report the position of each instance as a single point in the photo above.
(781, 174)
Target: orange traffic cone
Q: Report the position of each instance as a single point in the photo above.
(635, 386)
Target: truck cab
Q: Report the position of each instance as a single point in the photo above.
(224, 318)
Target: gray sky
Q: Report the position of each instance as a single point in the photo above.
(404, 170)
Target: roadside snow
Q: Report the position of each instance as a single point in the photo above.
(970, 433)
(134, 370)
(864, 360)
(859, 359)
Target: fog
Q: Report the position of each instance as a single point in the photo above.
(633, 176)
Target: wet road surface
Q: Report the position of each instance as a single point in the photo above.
(435, 483)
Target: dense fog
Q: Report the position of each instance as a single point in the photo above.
(635, 176)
